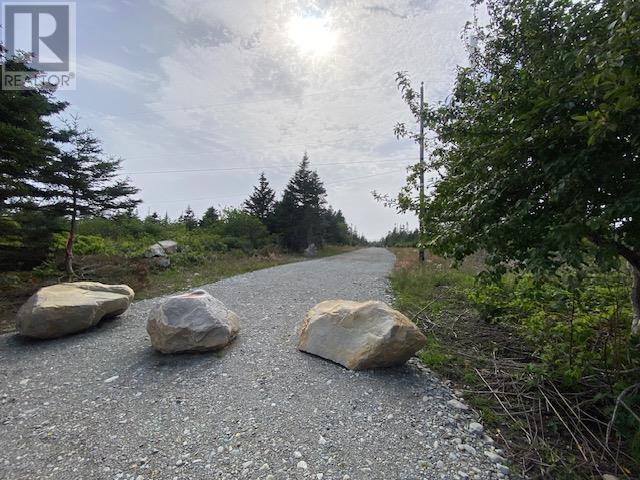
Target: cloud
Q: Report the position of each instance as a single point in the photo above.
(234, 91)
(101, 71)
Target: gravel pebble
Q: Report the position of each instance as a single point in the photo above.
(220, 415)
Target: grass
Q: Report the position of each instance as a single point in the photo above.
(16, 287)
(466, 350)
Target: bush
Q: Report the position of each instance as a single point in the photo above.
(240, 225)
(579, 320)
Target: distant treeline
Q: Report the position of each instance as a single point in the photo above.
(59, 192)
(401, 236)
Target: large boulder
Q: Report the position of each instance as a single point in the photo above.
(159, 262)
(155, 250)
(192, 322)
(156, 256)
(169, 246)
(71, 307)
(311, 250)
(359, 335)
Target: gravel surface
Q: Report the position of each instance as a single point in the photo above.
(103, 405)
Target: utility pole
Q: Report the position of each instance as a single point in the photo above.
(422, 168)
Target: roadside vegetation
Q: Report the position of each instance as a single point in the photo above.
(535, 170)
(67, 213)
(548, 365)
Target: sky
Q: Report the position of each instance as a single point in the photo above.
(199, 96)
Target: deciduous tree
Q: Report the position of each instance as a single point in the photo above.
(539, 143)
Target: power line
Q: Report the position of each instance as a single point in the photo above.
(252, 168)
(338, 182)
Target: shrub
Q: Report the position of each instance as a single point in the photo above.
(579, 319)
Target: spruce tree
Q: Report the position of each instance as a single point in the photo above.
(210, 218)
(26, 138)
(80, 182)
(261, 202)
(188, 219)
(298, 216)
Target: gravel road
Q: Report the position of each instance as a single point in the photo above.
(103, 405)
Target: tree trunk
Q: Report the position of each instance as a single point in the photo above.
(635, 299)
(633, 257)
(68, 257)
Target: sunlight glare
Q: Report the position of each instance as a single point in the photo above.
(312, 35)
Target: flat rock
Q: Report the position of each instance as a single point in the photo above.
(68, 308)
(359, 335)
(169, 246)
(192, 322)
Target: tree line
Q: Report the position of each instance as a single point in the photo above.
(55, 174)
(300, 218)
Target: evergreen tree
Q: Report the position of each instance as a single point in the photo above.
(26, 138)
(188, 219)
(261, 202)
(298, 216)
(336, 230)
(26, 147)
(81, 182)
(210, 218)
(153, 218)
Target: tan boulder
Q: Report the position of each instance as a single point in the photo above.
(359, 335)
(71, 307)
(192, 322)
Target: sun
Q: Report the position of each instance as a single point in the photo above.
(312, 35)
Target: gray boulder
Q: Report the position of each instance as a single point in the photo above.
(71, 307)
(311, 250)
(192, 322)
(159, 262)
(169, 246)
(155, 250)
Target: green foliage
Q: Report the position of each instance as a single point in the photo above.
(87, 245)
(210, 218)
(579, 320)
(401, 237)
(526, 332)
(433, 287)
(538, 147)
(26, 137)
(433, 354)
(188, 219)
(298, 216)
(262, 201)
(80, 182)
(239, 224)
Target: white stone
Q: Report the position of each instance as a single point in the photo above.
(476, 428)
(169, 246)
(155, 250)
(70, 308)
(494, 457)
(457, 404)
(359, 335)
